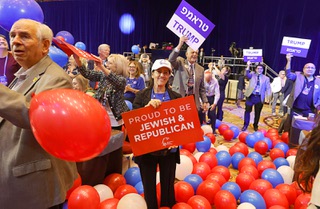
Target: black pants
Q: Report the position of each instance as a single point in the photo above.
(256, 102)
(148, 169)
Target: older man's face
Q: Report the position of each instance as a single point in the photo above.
(26, 47)
(309, 69)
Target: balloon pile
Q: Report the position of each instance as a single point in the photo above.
(207, 177)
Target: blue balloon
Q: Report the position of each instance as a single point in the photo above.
(129, 104)
(236, 158)
(235, 130)
(218, 123)
(126, 23)
(65, 205)
(11, 11)
(256, 157)
(283, 146)
(233, 188)
(68, 37)
(132, 176)
(194, 180)
(224, 158)
(58, 56)
(251, 139)
(259, 135)
(273, 176)
(268, 141)
(280, 161)
(135, 49)
(204, 146)
(253, 197)
(139, 187)
(80, 45)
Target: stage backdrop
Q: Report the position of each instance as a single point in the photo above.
(260, 24)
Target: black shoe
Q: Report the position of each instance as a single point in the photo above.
(255, 128)
(244, 128)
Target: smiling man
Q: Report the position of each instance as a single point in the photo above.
(30, 177)
(189, 76)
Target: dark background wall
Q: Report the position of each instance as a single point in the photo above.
(256, 23)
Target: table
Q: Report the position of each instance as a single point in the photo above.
(115, 142)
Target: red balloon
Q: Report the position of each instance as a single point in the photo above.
(183, 191)
(242, 137)
(191, 147)
(76, 184)
(244, 148)
(275, 142)
(181, 205)
(114, 180)
(188, 154)
(246, 161)
(292, 151)
(123, 190)
(212, 137)
(250, 169)
(208, 189)
(297, 188)
(69, 124)
(244, 180)
(225, 199)
(224, 171)
(264, 164)
(228, 134)
(84, 197)
(277, 207)
(217, 177)
(60, 38)
(110, 203)
(222, 128)
(285, 137)
(213, 150)
(289, 191)
(202, 169)
(302, 201)
(198, 201)
(209, 158)
(261, 147)
(234, 149)
(275, 197)
(261, 186)
(275, 153)
(273, 130)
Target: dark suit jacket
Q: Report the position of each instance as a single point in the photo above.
(30, 177)
(181, 77)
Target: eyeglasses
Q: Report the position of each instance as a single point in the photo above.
(166, 73)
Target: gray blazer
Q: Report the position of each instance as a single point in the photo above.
(265, 89)
(30, 177)
(298, 86)
(180, 80)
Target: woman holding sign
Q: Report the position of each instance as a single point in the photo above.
(154, 95)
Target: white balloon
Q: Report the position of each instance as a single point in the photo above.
(104, 191)
(291, 159)
(206, 129)
(198, 155)
(246, 205)
(132, 201)
(287, 173)
(184, 168)
(221, 148)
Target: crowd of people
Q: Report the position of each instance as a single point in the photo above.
(113, 80)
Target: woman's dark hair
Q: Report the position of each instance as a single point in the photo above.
(307, 164)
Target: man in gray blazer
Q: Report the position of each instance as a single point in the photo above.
(30, 177)
(189, 76)
(257, 92)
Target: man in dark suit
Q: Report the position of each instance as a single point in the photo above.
(30, 177)
(258, 90)
(189, 76)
